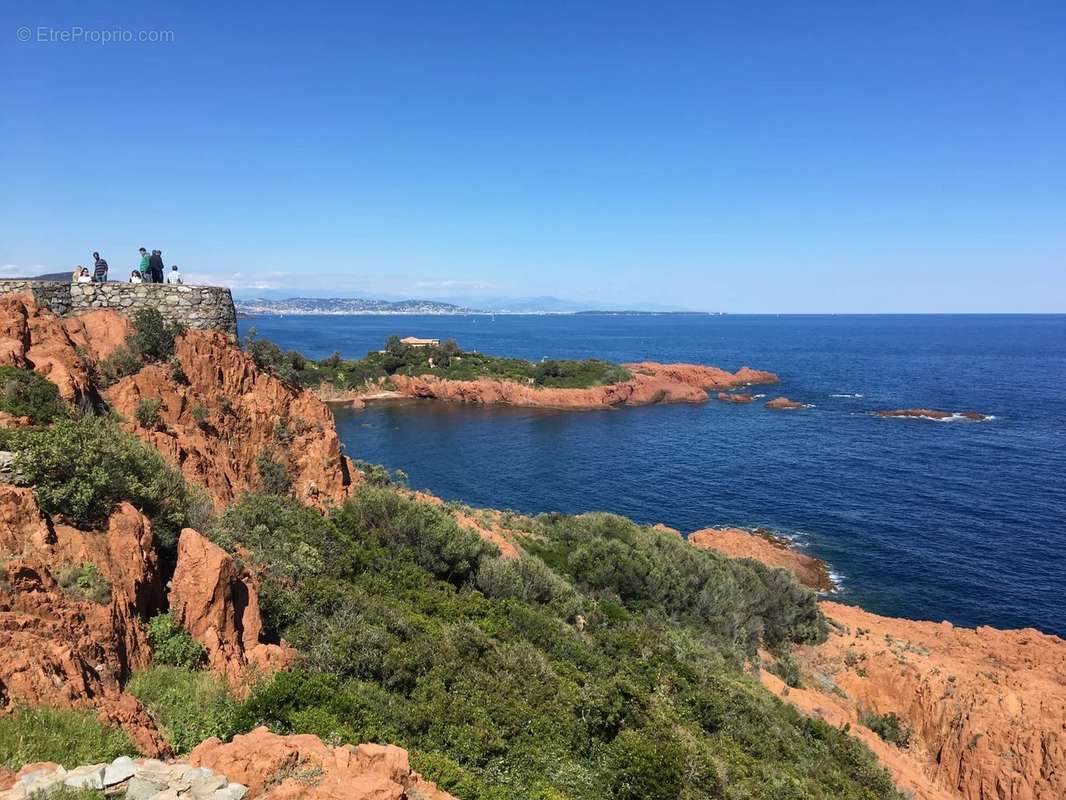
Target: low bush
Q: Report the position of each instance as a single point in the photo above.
(147, 412)
(65, 736)
(84, 582)
(172, 645)
(511, 680)
(81, 468)
(153, 338)
(273, 474)
(24, 393)
(118, 365)
(786, 668)
(188, 705)
(888, 726)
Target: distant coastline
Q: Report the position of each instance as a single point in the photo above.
(348, 306)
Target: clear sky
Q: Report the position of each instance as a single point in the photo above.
(746, 156)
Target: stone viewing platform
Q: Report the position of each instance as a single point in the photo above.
(201, 307)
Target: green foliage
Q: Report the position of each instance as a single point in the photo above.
(172, 645)
(84, 582)
(510, 680)
(447, 361)
(63, 792)
(646, 766)
(24, 393)
(273, 474)
(199, 415)
(153, 337)
(81, 468)
(189, 705)
(888, 726)
(118, 365)
(65, 736)
(786, 668)
(147, 412)
(378, 475)
(740, 603)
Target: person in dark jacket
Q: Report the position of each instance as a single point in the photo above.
(155, 264)
(99, 269)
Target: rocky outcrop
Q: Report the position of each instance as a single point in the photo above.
(60, 350)
(784, 404)
(301, 766)
(735, 397)
(218, 605)
(219, 413)
(63, 646)
(651, 383)
(986, 707)
(933, 414)
(771, 550)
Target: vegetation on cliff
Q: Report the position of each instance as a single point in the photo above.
(445, 361)
(612, 669)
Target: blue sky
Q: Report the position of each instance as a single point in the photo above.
(746, 157)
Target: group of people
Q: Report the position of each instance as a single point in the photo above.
(150, 270)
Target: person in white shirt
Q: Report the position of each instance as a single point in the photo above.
(85, 277)
(174, 276)
(135, 277)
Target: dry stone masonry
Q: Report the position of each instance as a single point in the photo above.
(201, 307)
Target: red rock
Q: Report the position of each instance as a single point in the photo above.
(266, 762)
(64, 652)
(772, 551)
(735, 397)
(783, 403)
(651, 383)
(248, 412)
(658, 526)
(219, 606)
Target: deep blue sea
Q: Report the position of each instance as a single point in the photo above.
(929, 520)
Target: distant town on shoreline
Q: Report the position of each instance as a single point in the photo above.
(318, 306)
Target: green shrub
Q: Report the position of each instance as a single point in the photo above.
(65, 736)
(888, 726)
(378, 475)
(118, 365)
(84, 582)
(786, 668)
(153, 338)
(188, 705)
(646, 767)
(147, 412)
(24, 393)
(273, 475)
(200, 415)
(172, 645)
(63, 792)
(81, 468)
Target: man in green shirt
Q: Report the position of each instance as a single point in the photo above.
(144, 268)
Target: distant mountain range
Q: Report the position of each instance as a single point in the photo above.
(358, 305)
(347, 305)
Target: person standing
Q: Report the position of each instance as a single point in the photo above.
(155, 264)
(99, 269)
(174, 276)
(145, 269)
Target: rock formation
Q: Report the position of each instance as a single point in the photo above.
(62, 649)
(770, 550)
(220, 413)
(735, 397)
(300, 766)
(930, 413)
(651, 383)
(784, 404)
(219, 606)
(986, 707)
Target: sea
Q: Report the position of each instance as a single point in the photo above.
(958, 520)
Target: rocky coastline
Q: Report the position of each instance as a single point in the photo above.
(985, 709)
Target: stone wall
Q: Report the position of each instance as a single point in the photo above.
(205, 307)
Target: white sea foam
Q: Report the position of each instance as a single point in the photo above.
(847, 395)
(955, 417)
